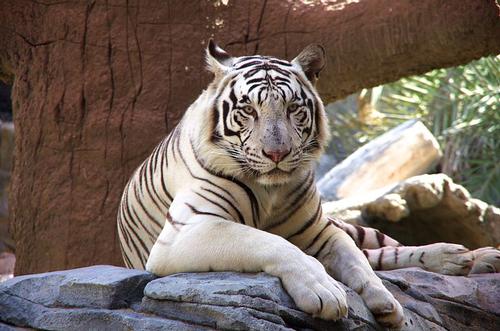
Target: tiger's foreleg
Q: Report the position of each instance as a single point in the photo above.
(345, 262)
(197, 240)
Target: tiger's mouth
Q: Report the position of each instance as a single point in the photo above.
(277, 172)
(275, 176)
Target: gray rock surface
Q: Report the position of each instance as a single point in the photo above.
(113, 298)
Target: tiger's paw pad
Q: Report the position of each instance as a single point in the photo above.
(315, 292)
(486, 260)
(387, 310)
(447, 259)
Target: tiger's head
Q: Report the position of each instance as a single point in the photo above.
(266, 120)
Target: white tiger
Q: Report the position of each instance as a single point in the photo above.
(232, 189)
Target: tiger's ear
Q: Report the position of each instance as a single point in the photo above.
(218, 60)
(312, 60)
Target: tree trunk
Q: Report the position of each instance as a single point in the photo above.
(6, 154)
(96, 84)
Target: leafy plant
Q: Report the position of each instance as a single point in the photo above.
(460, 105)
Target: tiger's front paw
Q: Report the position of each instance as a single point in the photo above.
(313, 290)
(386, 309)
(486, 260)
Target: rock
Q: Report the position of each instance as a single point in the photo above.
(423, 210)
(91, 287)
(113, 298)
(453, 303)
(240, 302)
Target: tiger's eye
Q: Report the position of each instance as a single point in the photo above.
(249, 110)
(293, 107)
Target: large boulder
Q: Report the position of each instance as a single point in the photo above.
(113, 298)
(423, 210)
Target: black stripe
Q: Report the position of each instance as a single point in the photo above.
(199, 212)
(215, 110)
(215, 203)
(309, 222)
(125, 233)
(206, 180)
(298, 201)
(220, 196)
(134, 247)
(248, 64)
(233, 97)
(125, 258)
(317, 237)
(321, 248)
(120, 225)
(253, 86)
(361, 235)
(142, 225)
(281, 62)
(153, 195)
(255, 80)
(380, 238)
(225, 111)
(139, 239)
(139, 201)
(379, 262)
(154, 156)
(248, 191)
(171, 221)
(421, 258)
(163, 186)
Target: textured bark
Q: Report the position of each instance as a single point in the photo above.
(96, 84)
(6, 160)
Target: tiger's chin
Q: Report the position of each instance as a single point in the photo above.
(277, 177)
(274, 177)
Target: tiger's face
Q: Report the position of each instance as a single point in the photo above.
(268, 122)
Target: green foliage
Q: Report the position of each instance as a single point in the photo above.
(461, 106)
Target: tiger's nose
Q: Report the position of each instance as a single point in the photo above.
(276, 155)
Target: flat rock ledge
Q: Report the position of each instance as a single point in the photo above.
(113, 298)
